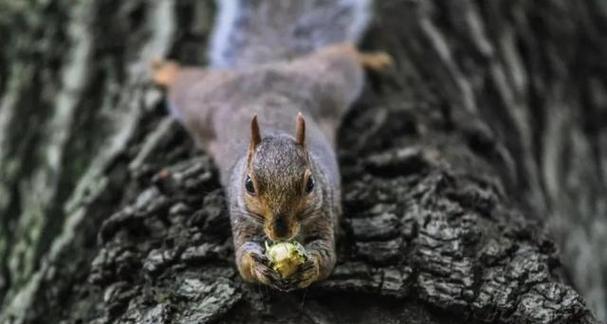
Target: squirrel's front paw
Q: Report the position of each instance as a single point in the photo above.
(307, 273)
(261, 270)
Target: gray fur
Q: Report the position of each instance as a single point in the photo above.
(307, 76)
(249, 32)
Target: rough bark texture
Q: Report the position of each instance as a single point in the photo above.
(461, 167)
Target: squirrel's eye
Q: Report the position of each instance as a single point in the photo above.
(248, 184)
(310, 184)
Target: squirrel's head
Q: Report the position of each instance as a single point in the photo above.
(279, 186)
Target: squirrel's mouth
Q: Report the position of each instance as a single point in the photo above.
(278, 235)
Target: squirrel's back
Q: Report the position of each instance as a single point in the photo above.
(250, 32)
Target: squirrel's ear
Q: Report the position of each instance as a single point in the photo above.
(255, 133)
(300, 129)
(255, 136)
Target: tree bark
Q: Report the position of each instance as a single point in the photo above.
(474, 172)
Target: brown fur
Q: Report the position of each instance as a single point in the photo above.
(220, 108)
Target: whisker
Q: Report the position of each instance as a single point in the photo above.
(250, 215)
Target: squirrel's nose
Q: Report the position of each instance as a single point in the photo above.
(280, 227)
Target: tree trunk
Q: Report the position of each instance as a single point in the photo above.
(484, 146)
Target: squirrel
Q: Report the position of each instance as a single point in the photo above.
(267, 109)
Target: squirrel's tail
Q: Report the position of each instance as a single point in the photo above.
(249, 32)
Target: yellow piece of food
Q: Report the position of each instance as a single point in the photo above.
(286, 257)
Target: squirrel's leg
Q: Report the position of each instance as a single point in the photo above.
(319, 265)
(255, 267)
(186, 87)
(335, 72)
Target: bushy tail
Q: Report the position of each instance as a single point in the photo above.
(249, 32)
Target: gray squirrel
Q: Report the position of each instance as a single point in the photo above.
(282, 73)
